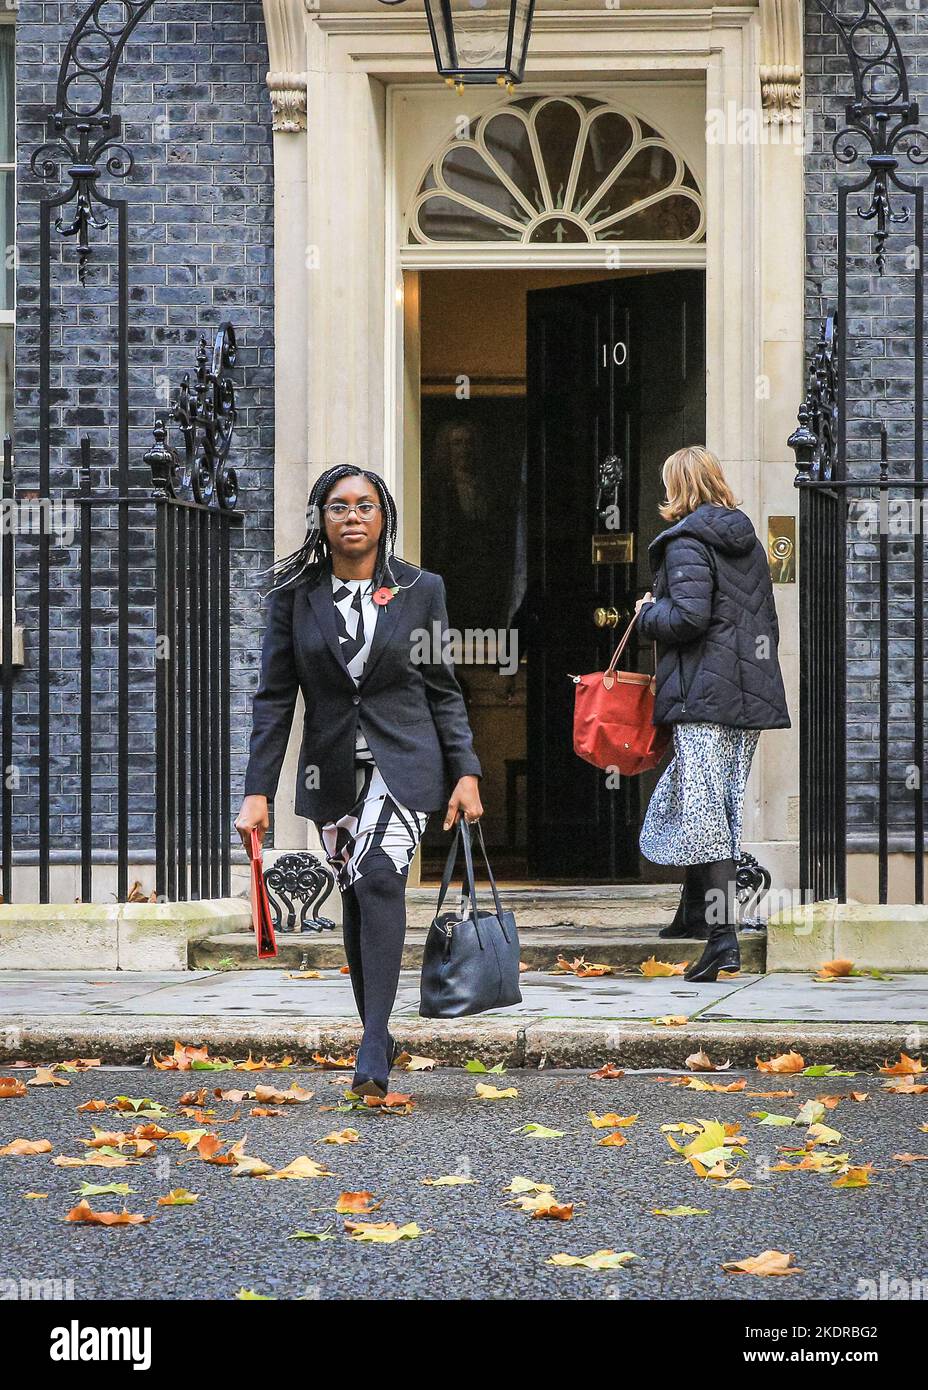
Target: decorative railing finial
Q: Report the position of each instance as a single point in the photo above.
(204, 410)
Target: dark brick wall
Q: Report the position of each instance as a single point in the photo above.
(880, 368)
(197, 120)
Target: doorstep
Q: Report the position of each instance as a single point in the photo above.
(616, 926)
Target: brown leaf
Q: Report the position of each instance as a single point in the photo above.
(44, 1076)
(182, 1058)
(93, 1105)
(263, 1112)
(906, 1086)
(616, 1140)
(393, 1103)
(784, 1062)
(294, 1095)
(700, 1061)
(356, 1203)
(770, 1095)
(22, 1147)
(10, 1087)
(607, 1072)
(900, 1158)
(82, 1212)
(329, 1063)
(835, 969)
(583, 969)
(768, 1262)
(906, 1066)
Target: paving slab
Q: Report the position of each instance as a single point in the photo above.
(78, 991)
(900, 999)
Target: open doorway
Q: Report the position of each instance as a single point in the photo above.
(548, 402)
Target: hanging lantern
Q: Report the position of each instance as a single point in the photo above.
(479, 41)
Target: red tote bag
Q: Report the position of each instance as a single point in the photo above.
(265, 940)
(614, 717)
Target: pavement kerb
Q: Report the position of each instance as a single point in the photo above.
(551, 1042)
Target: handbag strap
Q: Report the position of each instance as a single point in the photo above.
(469, 887)
(493, 888)
(610, 669)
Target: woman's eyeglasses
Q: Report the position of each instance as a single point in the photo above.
(339, 510)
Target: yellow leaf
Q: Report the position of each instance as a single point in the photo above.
(855, 1177)
(179, 1197)
(738, 1185)
(408, 1061)
(653, 969)
(382, 1232)
(302, 1167)
(452, 1180)
(823, 1134)
(341, 1136)
(600, 1259)
(672, 1020)
(615, 1140)
(611, 1121)
(526, 1185)
(483, 1091)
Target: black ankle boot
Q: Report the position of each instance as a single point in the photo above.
(690, 917)
(689, 920)
(722, 951)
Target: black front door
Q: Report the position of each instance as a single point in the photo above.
(615, 383)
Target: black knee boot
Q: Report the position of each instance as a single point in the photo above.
(690, 917)
(351, 936)
(721, 951)
(381, 897)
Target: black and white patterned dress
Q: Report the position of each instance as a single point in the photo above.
(696, 810)
(378, 832)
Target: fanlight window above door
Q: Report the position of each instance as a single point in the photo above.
(549, 170)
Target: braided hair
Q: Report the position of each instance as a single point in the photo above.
(314, 555)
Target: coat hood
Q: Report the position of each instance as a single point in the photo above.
(726, 529)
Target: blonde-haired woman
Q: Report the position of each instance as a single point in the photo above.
(713, 616)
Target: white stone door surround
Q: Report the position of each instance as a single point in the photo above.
(335, 74)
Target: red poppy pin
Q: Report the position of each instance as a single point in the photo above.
(383, 595)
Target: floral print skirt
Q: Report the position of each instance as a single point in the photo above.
(695, 813)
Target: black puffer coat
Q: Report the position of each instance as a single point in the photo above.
(715, 623)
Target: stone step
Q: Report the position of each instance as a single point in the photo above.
(622, 946)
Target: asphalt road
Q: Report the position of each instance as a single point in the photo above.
(477, 1247)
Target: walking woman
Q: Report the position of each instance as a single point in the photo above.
(713, 616)
(385, 730)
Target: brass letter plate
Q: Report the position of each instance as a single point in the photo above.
(781, 549)
(614, 548)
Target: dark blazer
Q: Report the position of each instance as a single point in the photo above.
(411, 711)
(715, 622)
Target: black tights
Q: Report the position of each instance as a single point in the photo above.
(374, 929)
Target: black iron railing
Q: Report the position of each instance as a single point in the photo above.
(158, 788)
(855, 712)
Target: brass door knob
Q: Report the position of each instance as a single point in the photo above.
(606, 617)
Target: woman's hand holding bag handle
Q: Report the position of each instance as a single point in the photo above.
(265, 940)
(614, 717)
(470, 962)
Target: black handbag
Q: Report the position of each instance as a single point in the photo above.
(470, 963)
